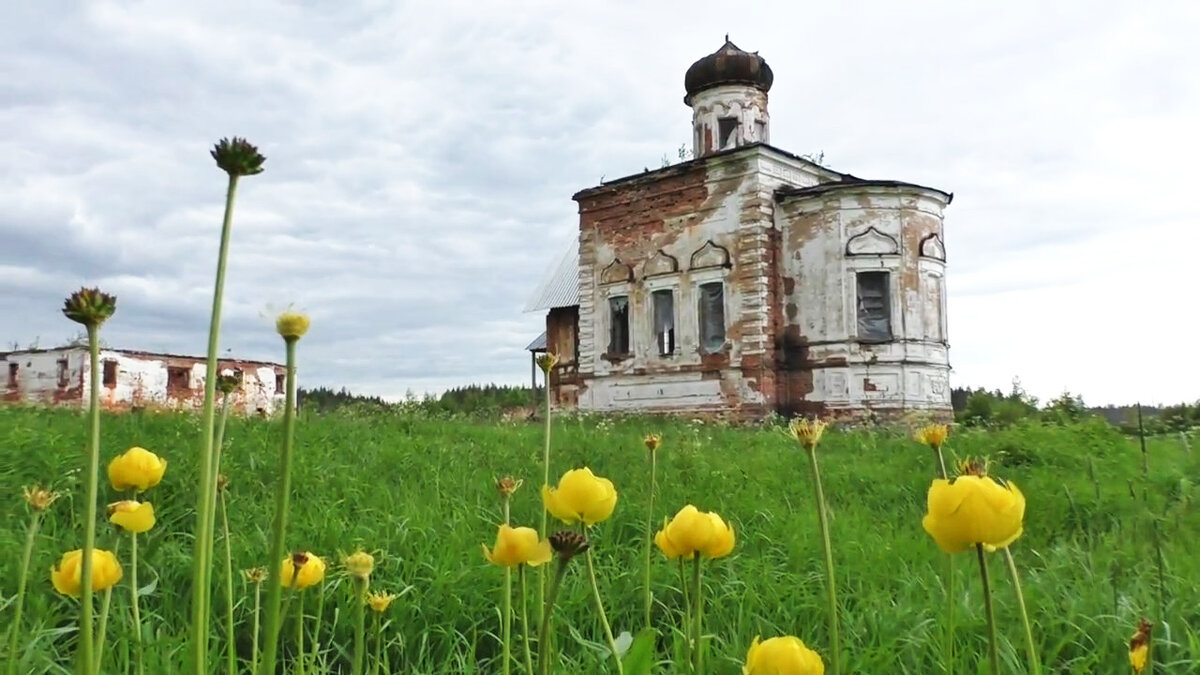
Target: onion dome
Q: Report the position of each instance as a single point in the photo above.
(727, 65)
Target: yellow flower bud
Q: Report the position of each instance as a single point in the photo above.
(39, 499)
(807, 431)
(292, 325)
(517, 546)
(970, 510)
(311, 570)
(784, 655)
(653, 441)
(137, 469)
(67, 574)
(692, 532)
(131, 516)
(580, 496)
(933, 435)
(379, 602)
(360, 564)
(547, 361)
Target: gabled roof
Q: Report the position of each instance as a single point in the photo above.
(560, 288)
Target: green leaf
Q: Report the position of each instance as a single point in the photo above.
(639, 658)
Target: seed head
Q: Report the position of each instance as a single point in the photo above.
(379, 602)
(255, 575)
(292, 325)
(547, 361)
(568, 544)
(38, 498)
(90, 306)
(238, 157)
(227, 381)
(360, 564)
(807, 431)
(933, 435)
(973, 466)
(507, 485)
(653, 441)
(299, 559)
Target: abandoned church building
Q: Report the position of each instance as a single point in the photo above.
(749, 280)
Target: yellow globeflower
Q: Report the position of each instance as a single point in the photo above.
(517, 546)
(360, 564)
(971, 510)
(292, 325)
(784, 655)
(131, 516)
(66, 575)
(312, 570)
(137, 469)
(933, 435)
(693, 532)
(581, 496)
(379, 602)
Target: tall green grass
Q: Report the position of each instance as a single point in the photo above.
(420, 493)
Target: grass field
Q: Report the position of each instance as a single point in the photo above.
(419, 493)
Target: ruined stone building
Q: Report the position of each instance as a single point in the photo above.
(749, 280)
(132, 379)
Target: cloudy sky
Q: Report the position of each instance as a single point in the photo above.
(422, 156)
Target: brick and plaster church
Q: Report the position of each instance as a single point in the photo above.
(748, 279)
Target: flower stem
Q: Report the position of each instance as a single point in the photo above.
(506, 605)
(547, 610)
(102, 624)
(282, 494)
(378, 642)
(950, 602)
(937, 450)
(87, 655)
(15, 632)
(257, 611)
(687, 602)
(360, 623)
(543, 579)
(1035, 667)
(318, 619)
(231, 647)
(102, 629)
(133, 600)
(210, 523)
(650, 534)
(827, 549)
(525, 618)
(202, 549)
(299, 633)
(993, 648)
(697, 615)
(608, 634)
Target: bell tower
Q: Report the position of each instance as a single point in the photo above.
(727, 91)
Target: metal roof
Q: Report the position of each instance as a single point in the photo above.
(561, 287)
(538, 345)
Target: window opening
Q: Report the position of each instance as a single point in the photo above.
(664, 321)
(874, 306)
(618, 331)
(712, 316)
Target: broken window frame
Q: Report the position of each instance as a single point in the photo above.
(109, 373)
(177, 373)
(14, 370)
(663, 320)
(728, 135)
(64, 373)
(281, 384)
(711, 330)
(618, 318)
(873, 306)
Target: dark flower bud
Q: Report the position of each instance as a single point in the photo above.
(568, 544)
(238, 157)
(89, 306)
